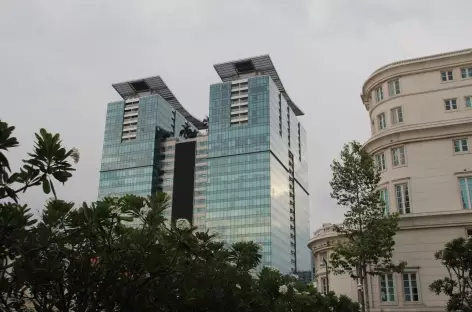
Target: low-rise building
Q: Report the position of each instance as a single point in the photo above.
(420, 111)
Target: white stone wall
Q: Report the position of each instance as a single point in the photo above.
(432, 171)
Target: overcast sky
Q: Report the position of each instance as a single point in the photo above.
(58, 59)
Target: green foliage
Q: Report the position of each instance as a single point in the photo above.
(187, 131)
(20, 236)
(206, 122)
(457, 258)
(47, 162)
(120, 254)
(94, 259)
(368, 244)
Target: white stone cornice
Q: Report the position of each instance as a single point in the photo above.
(405, 63)
(419, 132)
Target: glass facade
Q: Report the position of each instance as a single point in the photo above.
(132, 166)
(257, 173)
(250, 173)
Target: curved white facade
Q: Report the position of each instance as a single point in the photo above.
(421, 117)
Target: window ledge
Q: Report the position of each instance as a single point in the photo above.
(449, 81)
(464, 173)
(460, 153)
(405, 179)
(389, 304)
(399, 166)
(412, 302)
(452, 110)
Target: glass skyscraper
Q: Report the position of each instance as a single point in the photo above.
(246, 179)
(138, 130)
(257, 168)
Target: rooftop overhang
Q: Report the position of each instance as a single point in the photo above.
(155, 85)
(261, 65)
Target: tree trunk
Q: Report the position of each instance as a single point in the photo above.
(360, 282)
(361, 294)
(366, 287)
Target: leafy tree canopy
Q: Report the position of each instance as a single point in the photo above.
(188, 132)
(368, 230)
(457, 285)
(120, 254)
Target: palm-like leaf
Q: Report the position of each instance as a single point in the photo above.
(49, 159)
(6, 142)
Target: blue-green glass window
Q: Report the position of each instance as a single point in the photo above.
(385, 198)
(468, 102)
(201, 168)
(461, 145)
(200, 184)
(410, 287)
(466, 192)
(387, 288)
(466, 72)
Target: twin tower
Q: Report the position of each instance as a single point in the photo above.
(242, 173)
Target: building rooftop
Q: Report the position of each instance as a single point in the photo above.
(155, 85)
(260, 64)
(421, 59)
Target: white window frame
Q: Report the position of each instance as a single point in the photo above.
(323, 256)
(379, 95)
(394, 87)
(401, 152)
(380, 161)
(450, 103)
(468, 101)
(448, 74)
(467, 72)
(402, 200)
(385, 196)
(468, 192)
(388, 277)
(324, 284)
(397, 115)
(461, 145)
(468, 233)
(382, 121)
(410, 288)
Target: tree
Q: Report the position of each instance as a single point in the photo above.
(120, 254)
(368, 244)
(206, 122)
(49, 161)
(95, 260)
(457, 258)
(188, 132)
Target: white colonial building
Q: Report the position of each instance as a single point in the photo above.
(420, 111)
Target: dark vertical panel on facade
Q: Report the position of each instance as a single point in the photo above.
(184, 179)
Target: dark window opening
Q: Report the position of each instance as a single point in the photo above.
(244, 67)
(140, 86)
